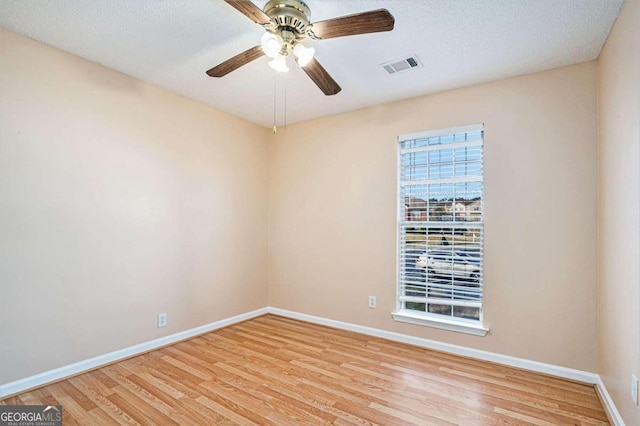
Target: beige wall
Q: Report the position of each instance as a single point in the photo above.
(118, 200)
(332, 213)
(619, 209)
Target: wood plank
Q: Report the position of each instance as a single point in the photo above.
(138, 410)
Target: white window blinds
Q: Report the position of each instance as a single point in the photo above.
(441, 223)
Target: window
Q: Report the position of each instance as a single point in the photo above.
(441, 229)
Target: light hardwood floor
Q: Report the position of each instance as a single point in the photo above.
(277, 371)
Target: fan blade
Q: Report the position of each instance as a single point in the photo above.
(374, 21)
(250, 10)
(321, 78)
(236, 62)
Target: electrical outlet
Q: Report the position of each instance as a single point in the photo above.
(634, 389)
(372, 302)
(162, 320)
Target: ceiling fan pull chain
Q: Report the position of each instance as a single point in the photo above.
(275, 129)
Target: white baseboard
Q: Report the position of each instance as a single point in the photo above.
(89, 364)
(608, 404)
(541, 367)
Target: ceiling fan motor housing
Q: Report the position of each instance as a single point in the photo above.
(289, 15)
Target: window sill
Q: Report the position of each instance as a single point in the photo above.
(443, 324)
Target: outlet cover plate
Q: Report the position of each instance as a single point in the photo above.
(372, 302)
(162, 320)
(634, 389)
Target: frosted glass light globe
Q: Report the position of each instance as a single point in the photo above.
(271, 44)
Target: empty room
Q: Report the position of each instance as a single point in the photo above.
(286, 212)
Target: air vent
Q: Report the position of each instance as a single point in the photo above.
(395, 67)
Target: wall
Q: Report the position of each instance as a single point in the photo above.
(118, 200)
(332, 213)
(619, 209)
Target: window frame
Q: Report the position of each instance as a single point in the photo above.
(463, 325)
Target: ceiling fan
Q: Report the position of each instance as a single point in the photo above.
(287, 24)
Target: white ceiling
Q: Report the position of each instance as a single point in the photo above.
(171, 43)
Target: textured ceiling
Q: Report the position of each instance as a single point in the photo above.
(171, 43)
